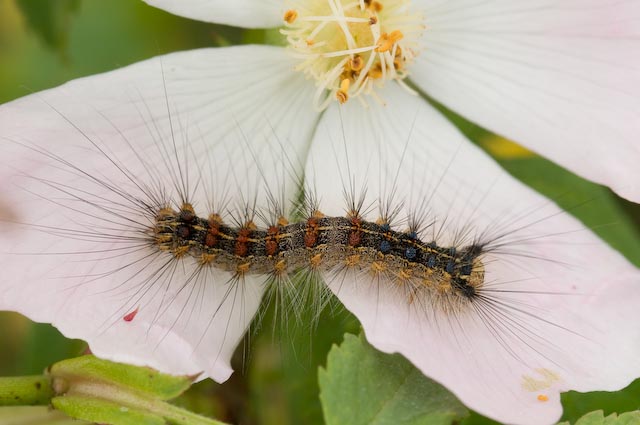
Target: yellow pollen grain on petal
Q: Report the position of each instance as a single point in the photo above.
(543, 397)
(290, 16)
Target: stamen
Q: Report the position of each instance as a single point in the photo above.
(352, 47)
(290, 16)
(343, 94)
(387, 41)
(356, 63)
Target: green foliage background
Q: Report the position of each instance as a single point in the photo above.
(45, 43)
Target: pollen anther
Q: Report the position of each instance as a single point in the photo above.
(290, 16)
(387, 41)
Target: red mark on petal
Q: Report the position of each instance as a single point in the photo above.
(129, 317)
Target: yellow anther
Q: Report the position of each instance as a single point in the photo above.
(376, 6)
(376, 71)
(386, 41)
(343, 93)
(543, 397)
(356, 63)
(290, 16)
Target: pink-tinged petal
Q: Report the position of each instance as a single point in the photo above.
(556, 309)
(85, 167)
(560, 77)
(239, 13)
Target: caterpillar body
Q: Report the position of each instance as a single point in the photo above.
(323, 243)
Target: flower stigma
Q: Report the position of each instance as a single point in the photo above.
(353, 47)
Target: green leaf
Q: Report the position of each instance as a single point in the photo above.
(283, 387)
(145, 380)
(360, 385)
(598, 418)
(50, 20)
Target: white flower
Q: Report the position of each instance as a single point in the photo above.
(81, 160)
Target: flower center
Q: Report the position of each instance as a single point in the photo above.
(352, 47)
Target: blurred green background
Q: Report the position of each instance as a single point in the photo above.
(45, 43)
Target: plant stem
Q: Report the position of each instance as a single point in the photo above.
(25, 391)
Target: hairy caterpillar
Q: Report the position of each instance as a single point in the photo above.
(155, 239)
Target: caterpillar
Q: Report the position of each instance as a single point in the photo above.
(155, 240)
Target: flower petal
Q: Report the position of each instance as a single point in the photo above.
(239, 13)
(561, 78)
(86, 167)
(555, 307)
